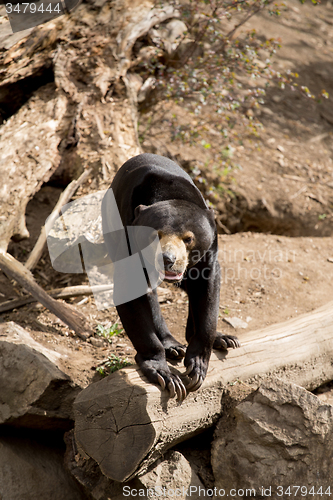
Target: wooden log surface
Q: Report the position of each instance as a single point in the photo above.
(73, 291)
(73, 318)
(124, 423)
(56, 293)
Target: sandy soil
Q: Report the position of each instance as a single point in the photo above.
(279, 264)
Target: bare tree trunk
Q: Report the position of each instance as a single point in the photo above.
(80, 105)
(79, 111)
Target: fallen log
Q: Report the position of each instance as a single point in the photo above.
(73, 318)
(72, 291)
(56, 293)
(124, 423)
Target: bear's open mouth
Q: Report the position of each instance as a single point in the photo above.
(170, 275)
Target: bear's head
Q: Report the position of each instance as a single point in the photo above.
(186, 232)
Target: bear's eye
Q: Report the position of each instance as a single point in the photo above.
(188, 240)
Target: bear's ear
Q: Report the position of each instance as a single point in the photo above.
(211, 216)
(211, 212)
(139, 209)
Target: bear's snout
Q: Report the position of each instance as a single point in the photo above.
(168, 259)
(174, 256)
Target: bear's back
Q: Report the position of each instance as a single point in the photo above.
(146, 179)
(139, 166)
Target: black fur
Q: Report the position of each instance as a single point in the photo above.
(174, 205)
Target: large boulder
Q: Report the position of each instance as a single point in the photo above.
(282, 436)
(31, 469)
(34, 392)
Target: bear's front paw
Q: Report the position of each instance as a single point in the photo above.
(158, 372)
(196, 370)
(223, 342)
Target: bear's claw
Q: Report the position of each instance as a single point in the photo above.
(173, 352)
(171, 389)
(196, 386)
(196, 371)
(182, 351)
(183, 392)
(177, 387)
(174, 386)
(193, 381)
(161, 381)
(189, 368)
(223, 342)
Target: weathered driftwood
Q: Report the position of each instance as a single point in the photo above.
(124, 423)
(137, 26)
(74, 319)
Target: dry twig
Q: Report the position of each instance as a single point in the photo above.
(74, 319)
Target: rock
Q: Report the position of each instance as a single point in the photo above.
(325, 393)
(326, 397)
(235, 322)
(282, 436)
(80, 222)
(97, 342)
(34, 392)
(31, 470)
(172, 477)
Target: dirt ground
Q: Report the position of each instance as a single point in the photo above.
(265, 279)
(279, 261)
(281, 181)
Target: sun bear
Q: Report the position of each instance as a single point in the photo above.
(153, 191)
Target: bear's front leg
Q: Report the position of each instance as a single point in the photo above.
(138, 319)
(172, 348)
(203, 288)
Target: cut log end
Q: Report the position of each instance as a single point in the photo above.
(113, 425)
(124, 423)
